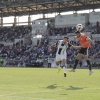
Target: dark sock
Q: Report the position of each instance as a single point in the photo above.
(89, 64)
(76, 62)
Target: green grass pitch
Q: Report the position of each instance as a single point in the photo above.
(46, 84)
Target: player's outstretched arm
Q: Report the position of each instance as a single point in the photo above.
(52, 46)
(76, 47)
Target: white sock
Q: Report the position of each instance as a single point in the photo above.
(64, 69)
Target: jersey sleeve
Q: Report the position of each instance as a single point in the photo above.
(84, 36)
(69, 45)
(87, 38)
(57, 43)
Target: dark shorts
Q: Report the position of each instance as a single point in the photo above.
(84, 51)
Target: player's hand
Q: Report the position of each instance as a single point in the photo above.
(50, 49)
(75, 37)
(80, 46)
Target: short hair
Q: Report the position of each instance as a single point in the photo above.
(77, 31)
(66, 37)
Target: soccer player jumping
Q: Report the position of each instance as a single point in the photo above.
(85, 42)
(61, 54)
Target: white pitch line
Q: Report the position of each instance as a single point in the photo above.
(27, 97)
(11, 95)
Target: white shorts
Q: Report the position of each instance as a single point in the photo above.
(60, 57)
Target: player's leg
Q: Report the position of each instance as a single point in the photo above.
(79, 55)
(58, 59)
(64, 66)
(76, 62)
(58, 66)
(63, 58)
(88, 61)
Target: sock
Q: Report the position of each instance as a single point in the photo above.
(64, 69)
(76, 62)
(89, 64)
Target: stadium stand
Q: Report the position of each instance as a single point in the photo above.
(10, 33)
(20, 53)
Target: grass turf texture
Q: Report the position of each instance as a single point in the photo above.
(46, 84)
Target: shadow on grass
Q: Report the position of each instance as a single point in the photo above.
(74, 88)
(52, 86)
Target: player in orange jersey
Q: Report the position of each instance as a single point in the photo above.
(85, 42)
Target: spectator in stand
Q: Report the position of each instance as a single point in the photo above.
(10, 33)
(97, 24)
(61, 31)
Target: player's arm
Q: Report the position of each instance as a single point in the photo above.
(75, 47)
(88, 41)
(75, 37)
(52, 46)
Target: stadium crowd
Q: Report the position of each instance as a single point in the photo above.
(24, 55)
(27, 55)
(61, 31)
(94, 27)
(10, 33)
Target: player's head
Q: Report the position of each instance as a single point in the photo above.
(79, 27)
(78, 33)
(65, 38)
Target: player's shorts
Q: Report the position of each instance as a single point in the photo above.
(60, 57)
(84, 51)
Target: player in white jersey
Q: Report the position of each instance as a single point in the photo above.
(61, 55)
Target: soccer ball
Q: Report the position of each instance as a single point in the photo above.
(79, 27)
